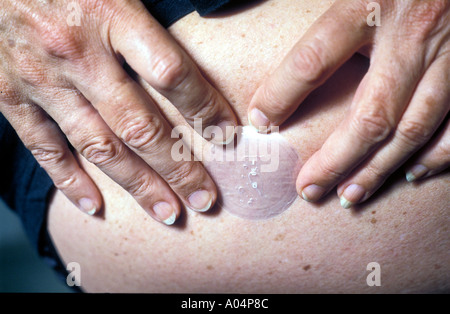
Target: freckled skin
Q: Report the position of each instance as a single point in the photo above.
(308, 248)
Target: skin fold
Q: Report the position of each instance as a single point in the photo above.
(306, 248)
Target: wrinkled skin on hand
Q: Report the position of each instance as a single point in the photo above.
(401, 106)
(61, 73)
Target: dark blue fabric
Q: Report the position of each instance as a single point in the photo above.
(205, 7)
(25, 188)
(169, 11)
(24, 185)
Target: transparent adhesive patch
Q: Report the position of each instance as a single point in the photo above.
(255, 175)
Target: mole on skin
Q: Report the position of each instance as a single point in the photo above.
(255, 177)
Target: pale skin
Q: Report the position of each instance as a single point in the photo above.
(400, 104)
(73, 75)
(307, 248)
(52, 71)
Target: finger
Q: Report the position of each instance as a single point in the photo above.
(153, 54)
(328, 43)
(425, 112)
(90, 136)
(433, 159)
(45, 141)
(375, 112)
(131, 114)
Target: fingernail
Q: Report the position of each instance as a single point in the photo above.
(200, 201)
(416, 172)
(228, 129)
(352, 195)
(258, 119)
(312, 193)
(165, 213)
(87, 205)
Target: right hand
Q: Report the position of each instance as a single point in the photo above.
(52, 72)
(399, 105)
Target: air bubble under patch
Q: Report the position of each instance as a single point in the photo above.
(255, 177)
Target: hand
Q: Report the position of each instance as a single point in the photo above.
(54, 71)
(399, 105)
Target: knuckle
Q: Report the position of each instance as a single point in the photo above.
(101, 151)
(59, 40)
(425, 17)
(414, 132)
(373, 125)
(66, 182)
(8, 95)
(141, 186)
(375, 173)
(309, 64)
(170, 71)
(443, 150)
(30, 69)
(381, 82)
(143, 132)
(327, 167)
(51, 27)
(206, 109)
(183, 175)
(33, 74)
(48, 155)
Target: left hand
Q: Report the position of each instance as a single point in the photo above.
(397, 108)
